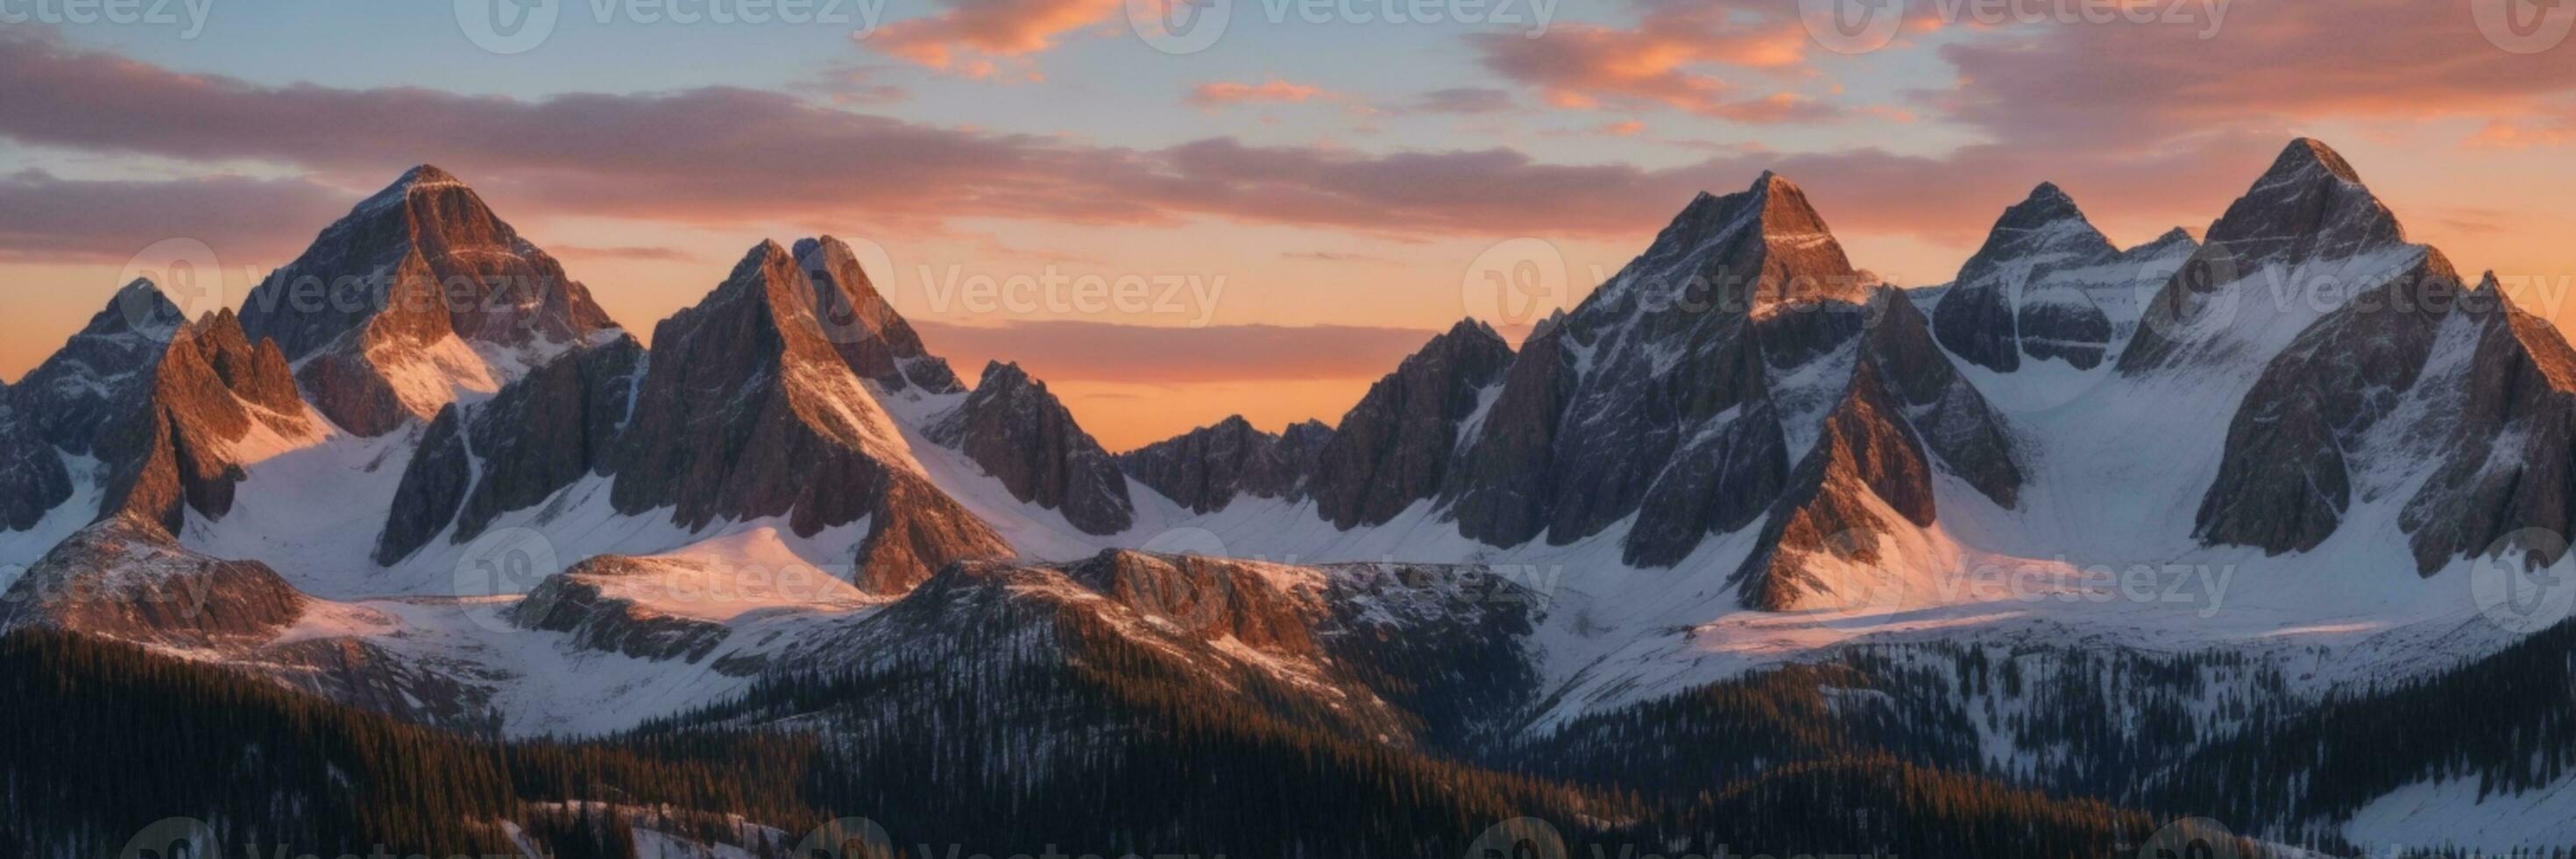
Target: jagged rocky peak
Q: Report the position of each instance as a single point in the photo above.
(746, 411)
(180, 449)
(1394, 448)
(2003, 305)
(876, 341)
(102, 372)
(1207, 468)
(2310, 205)
(2309, 209)
(1740, 253)
(1021, 434)
(2508, 455)
(419, 292)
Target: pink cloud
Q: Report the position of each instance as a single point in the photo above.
(1668, 60)
(243, 221)
(972, 35)
(2268, 65)
(1274, 91)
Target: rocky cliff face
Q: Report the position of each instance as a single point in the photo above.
(2309, 250)
(2024, 293)
(1394, 448)
(418, 291)
(180, 449)
(2507, 381)
(1206, 469)
(33, 479)
(580, 601)
(2299, 438)
(102, 374)
(539, 435)
(876, 341)
(2308, 212)
(126, 578)
(746, 411)
(1023, 436)
(1689, 390)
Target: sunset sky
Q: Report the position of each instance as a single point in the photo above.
(1302, 201)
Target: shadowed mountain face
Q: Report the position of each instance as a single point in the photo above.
(1395, 447)
(747, 411)
(418, 292)
(2048, 286)
(876, 342)
(1688, 391)
(1206, 469)
(1023, 436)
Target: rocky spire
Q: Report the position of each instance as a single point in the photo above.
(746, 410)
(1023, 436)
(1393, 448)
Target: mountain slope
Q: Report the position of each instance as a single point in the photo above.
(1207, 468)
(417, 297)
(747, 411)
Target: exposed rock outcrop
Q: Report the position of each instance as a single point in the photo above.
(578, 601)
(1394, 448)
(126, 578)
(539, 435)
(2511, 435)
(2310, 208)
(746, 411)
(867, 332)
(1207, 468)
(418, 291)
(1023, 436)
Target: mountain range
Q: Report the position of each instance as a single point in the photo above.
(1744, 496)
